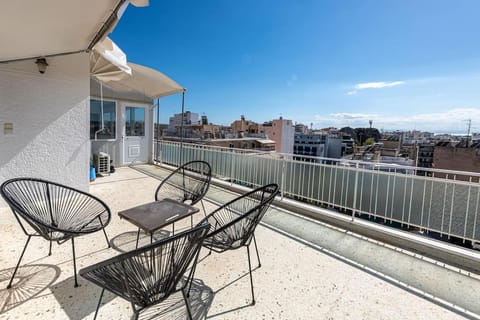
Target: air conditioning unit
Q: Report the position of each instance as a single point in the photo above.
(102, 163)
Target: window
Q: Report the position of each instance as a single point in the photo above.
(135, 121)
(109, 119)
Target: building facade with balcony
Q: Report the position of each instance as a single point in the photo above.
(189, 118)
(318, 145)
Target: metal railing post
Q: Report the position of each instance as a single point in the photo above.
(355, 187)
(231, 169)
(282, 181)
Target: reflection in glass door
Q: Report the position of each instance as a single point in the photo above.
(134, 121)
(134, 141)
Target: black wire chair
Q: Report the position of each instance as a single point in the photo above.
(188, 183)
(234, 223)
(150, 274)
(55, 212)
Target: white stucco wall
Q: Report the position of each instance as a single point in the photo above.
(50, 118)
(288, 136)
(283, 133)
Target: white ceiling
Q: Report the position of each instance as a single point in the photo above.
(33, 28)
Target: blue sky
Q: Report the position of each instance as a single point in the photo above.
(404, 64)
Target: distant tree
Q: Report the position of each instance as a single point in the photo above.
(369, 141)
(349, 131)
(362, 134)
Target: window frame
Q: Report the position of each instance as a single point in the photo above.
(116, 117)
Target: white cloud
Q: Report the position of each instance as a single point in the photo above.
(377, 85)
(373, 85)
(350, 116)
(452, 120)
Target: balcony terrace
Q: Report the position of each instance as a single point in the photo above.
(310, 270)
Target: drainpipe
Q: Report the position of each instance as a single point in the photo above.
(101, 111)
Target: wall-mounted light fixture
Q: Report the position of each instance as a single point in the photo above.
(42, 65)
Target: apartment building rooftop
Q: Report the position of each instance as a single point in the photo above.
(310, 270)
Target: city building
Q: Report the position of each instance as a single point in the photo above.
(301, 128)
(318, 145)
(160, 130)
(282, 132)
(424, 156)
(347, 144)
(391, 145)
(176, 120)
(416, 137)
(309, 144)
(242, 125)
(458, 157)
(244, 143)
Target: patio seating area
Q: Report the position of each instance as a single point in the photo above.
(309, 270)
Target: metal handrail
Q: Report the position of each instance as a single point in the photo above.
(446, 202)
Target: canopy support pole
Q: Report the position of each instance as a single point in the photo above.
(181, 128)
(158, 131)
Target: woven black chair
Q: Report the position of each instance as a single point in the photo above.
(188, 183)
(55, 212)
(150, 274)
(233, 224)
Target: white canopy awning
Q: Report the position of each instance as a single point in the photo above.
(34, 28)
(108, 64)
(149, 82)
(108, 61)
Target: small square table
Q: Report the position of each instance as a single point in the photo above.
(155, 215)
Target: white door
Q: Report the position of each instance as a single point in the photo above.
(135, 145)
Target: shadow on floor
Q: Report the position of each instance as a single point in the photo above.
(126, 241)
(222, 314)
(201, 297)
(79, 302)
(29, 282)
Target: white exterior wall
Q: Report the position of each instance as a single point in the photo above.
(283, 133)
(288, 137)
(50, 117)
